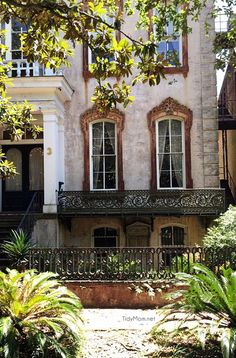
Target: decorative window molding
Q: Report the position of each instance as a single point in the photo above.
(170, 107)
(93, 115)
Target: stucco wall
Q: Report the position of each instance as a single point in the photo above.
(82, 229)
(197, 91)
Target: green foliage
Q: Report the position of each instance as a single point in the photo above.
(213, 301)
(223, 233)
(17, 248)
(38, 317)
(57, 26)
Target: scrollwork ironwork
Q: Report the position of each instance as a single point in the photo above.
(174, 201)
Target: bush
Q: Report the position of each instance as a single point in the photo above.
(223, 233)
(38, 317)
(17, 249)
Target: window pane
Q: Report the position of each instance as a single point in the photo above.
(166, 236)
(163, 128)
(36, 169)
(176, 144)
(176, 162)
(161, 49)
(98, 164)
(16, 55)
(105, 237)
(178, 233)
(110, 180)
(15, 183)
(16, 25)
(109, 130)
(164, 162)
(110, 164)
(101, 231)
(98, 130)
(109, 146)
(176, 127)
(97, 146)
(177, 179)
(16, 43)
(165, 179)
(97, 180)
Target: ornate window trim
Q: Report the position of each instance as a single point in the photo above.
(93, 115)
(170, 107)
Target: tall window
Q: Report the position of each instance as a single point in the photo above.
(103, 157)
(105, 237)
(170, 154)
(171, 47)
(172, 236)
(16, 31)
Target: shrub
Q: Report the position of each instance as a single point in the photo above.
(212, 300)
(17, 248)
(38, 316)
(223, 233)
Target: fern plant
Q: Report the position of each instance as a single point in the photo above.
(38, 316)
(17, 248)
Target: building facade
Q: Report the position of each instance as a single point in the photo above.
(144, 176)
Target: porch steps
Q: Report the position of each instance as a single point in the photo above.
(8, 221)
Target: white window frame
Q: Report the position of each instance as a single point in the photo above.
(91, 155)
(169, 118)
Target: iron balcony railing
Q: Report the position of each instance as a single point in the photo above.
(22, 68)
(127, 263)
(142, 202)
(227, 109)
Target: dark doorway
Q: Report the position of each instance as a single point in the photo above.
(18, 191)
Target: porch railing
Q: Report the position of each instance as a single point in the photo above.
(35, 206)
(142, 202)
(127, 263)
(22, 68)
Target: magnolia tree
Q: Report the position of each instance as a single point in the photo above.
(57, 26)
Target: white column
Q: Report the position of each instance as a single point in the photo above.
(61, 157)
(51, 161)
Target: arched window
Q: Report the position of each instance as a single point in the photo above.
(103, 161)
(15, 183)
(170, 127)
(172, 236)
(36, 169)
(105, 237)
(170, 154)
(103, 156)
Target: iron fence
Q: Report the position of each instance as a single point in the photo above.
(126, 263)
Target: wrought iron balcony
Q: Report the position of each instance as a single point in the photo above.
(227, 114)
(128, 263)
(142, 202)
(22, 68)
